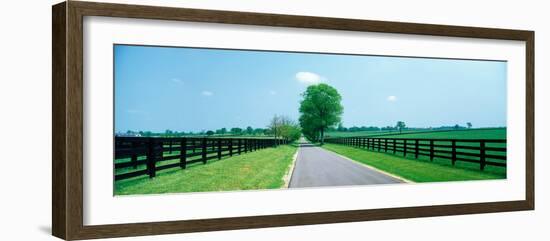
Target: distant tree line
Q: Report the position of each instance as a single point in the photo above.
(399, 126)
(235, 131)
(279, 127)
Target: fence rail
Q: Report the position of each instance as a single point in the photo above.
(153, 153)
(486, 152)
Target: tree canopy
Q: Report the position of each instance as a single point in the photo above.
(400, 126)
(284, 127)
(320, 109)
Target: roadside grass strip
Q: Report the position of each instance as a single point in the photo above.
(418, 170)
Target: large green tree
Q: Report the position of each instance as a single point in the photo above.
(400, 126)
(320, 109)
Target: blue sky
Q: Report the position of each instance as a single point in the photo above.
(192, 89)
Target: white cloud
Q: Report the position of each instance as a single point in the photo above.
(392, 98)
(207, 93)
(272, 92)
(309, 78)
(177, 80)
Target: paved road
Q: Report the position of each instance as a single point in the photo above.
(317, 167)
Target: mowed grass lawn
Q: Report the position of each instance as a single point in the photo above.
(488, 133)
(263, 169)
(366, 133)
(474, 133)
(418, 170)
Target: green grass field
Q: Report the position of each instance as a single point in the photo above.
(479, 133)
(419, 170)
(263, 169)
(361, 133)
(489, 133)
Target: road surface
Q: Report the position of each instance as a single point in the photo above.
(317, 167)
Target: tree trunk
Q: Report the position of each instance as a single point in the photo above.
(322, 136)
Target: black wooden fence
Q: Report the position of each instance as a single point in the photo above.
(482, 151)
(137, 156)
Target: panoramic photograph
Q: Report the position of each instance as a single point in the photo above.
(206, 120)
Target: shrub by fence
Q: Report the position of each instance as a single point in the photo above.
(134, 153)
(482, 151)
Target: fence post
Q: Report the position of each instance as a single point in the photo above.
(431, 150)
(482, 155)
(453, 151)
(203, 145)
(170, 146)
(416, 148)
(379, 144)
(183, 153)
(404, 147)
(219, 144)
(230, 144)
(134, 155)
(394, 146)
(239, 148)
(372, 144)
(151, 157)
(385, 145)
(368, 143)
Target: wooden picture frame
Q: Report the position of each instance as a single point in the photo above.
(67, 125)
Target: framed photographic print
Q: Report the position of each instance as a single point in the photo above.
(172, 120)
